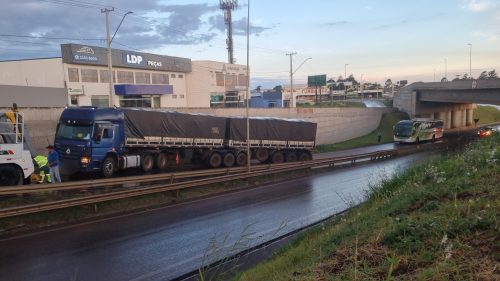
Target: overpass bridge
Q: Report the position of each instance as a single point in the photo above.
(452, 102)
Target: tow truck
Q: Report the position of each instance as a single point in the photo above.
(16, 162)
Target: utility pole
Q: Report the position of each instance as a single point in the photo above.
(228, 6)
(292, 99)
(108, 46)
(249, 155)
(470, 60)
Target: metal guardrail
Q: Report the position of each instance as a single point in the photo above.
(221, 175)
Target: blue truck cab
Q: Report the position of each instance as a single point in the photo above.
(89, 139)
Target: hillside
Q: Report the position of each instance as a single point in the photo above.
(437, 221)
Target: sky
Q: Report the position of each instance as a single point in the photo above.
(374, 40)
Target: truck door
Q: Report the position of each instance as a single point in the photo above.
(103, 142)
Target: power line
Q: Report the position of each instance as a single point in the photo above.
(51, 38)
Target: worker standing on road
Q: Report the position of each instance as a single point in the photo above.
(379, 136)
(53, 159)
(43, 169)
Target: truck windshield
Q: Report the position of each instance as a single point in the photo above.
(403, 129)
(74, 132)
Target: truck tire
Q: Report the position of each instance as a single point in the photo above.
(147, 163)
(10, 175)
(214, 160)
(161, 161)
(262, 155)
(433, 138)
(229, 160)
(305, 156)
(241, 159)
(291, 156)
(277, 157)
(108, 167)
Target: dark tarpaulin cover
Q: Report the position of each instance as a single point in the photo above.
(272, 129)
(148, 123)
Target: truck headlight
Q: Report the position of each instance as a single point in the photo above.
(85, 160)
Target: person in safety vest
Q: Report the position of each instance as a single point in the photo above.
(42, 169)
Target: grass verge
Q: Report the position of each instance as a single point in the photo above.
(436, 221)
(385, 128)
(487, 114)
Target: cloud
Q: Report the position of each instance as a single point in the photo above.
(490, 36)
(336, 23)
(409, 21)
(477, 5)
(152, 25)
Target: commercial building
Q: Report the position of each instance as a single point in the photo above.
(80, 77)
(217, 84)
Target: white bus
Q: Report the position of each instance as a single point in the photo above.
(417, 130)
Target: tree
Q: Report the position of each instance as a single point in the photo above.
(278, 88)
(492, 74)
(388, 83)
(352, 79)
(465, 77)
(443, 80)
(483, 75)
(340, 78)
(258, 89)
(403, 83)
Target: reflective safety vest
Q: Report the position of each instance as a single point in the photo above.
(41, 160)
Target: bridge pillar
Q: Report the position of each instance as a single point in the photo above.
(447, 120)
(470, 119)
(441, 116)
(456, 119)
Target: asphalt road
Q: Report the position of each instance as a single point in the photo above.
(165, 243)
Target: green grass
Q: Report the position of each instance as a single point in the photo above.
(329, 104)
(436, 221)
(386, 129)
(487, 114)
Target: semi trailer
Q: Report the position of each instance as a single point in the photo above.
(111, 139)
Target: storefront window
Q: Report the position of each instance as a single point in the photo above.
(219, 79)
(89, 75)
(73, 99)
(100, 101)
(73, 75)
(142, 78)
(104, 74)
(136, 101)
(159, 78)
(125, 77)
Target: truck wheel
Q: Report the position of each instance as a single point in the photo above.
(108, 167)
(229, 160)
(291, 157)
(433, 138)
(214, 160)
(241, 159)
(162, 161)
(305, 156)
(262, 155)
(277, 157)
(147, 163)
(10, 176)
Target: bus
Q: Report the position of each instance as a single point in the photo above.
(417, 130)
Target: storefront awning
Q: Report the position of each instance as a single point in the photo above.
(131, 89)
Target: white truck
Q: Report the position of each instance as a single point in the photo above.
(16, 164)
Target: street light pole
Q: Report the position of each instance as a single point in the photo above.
(470, 60)
(345, 79)
(249, 155)
(446, 69)
(292, 101)
(108, 47)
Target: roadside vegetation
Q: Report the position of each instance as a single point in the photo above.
(328, 104)
(437, 221)
(487, 114)
(385, 128)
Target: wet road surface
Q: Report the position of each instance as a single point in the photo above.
(165, 243)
